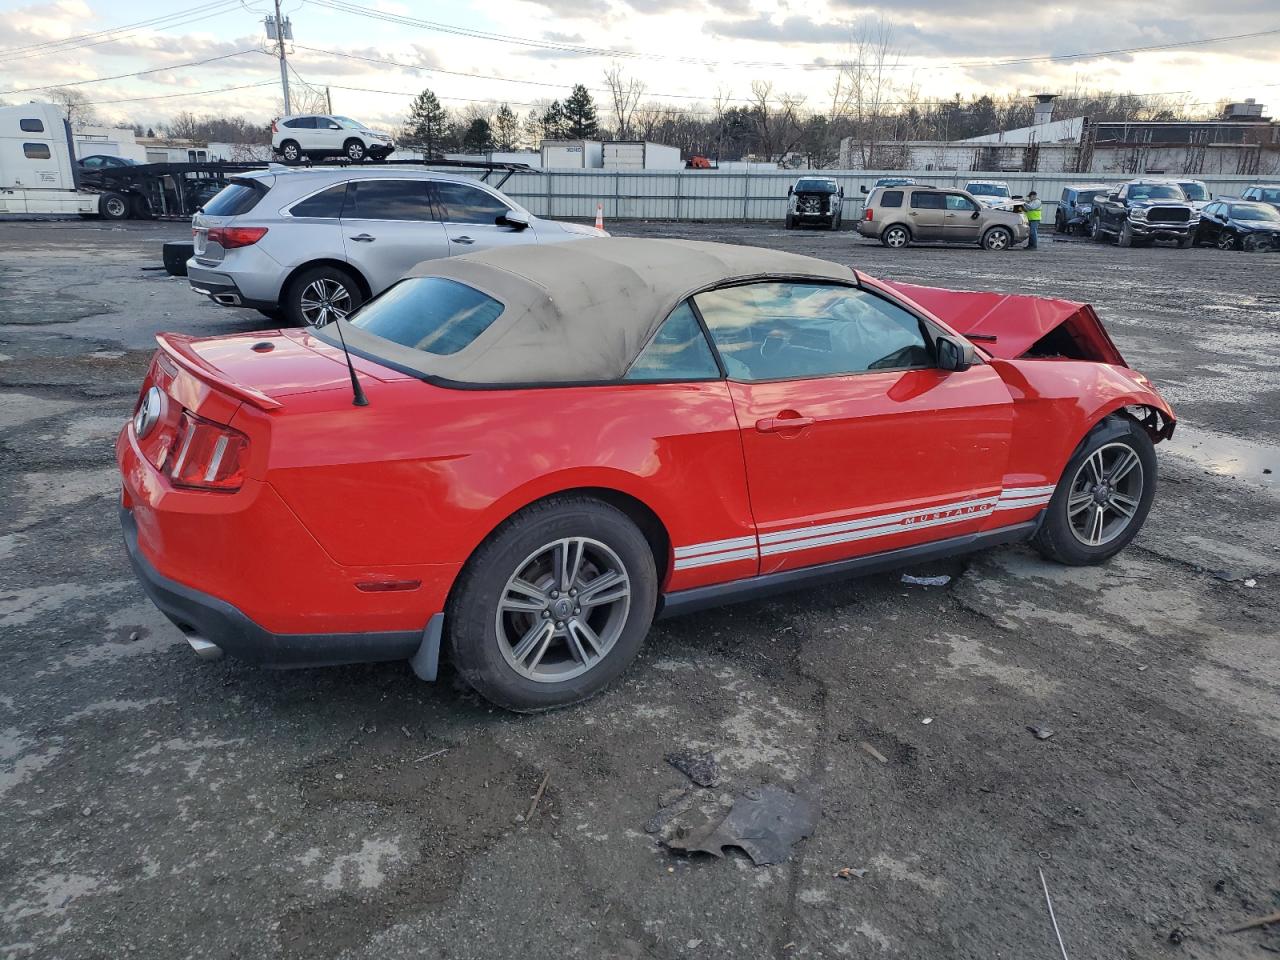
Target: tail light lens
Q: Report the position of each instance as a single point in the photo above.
(208, 456)
(870, 215)
(232, 237)
(274, 128)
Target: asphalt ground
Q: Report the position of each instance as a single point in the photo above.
(154, 805)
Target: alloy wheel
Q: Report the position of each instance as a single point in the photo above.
(290, 152)
(323, 301)
(563, 610)
(1105, 494)
(895, 237)
(997, 239)
(355, 151)
(1226, 241)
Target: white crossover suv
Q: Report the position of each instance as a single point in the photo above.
(313, 136)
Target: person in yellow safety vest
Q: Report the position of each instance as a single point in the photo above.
(1032, 207)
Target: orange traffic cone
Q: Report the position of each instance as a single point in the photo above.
(599, 216)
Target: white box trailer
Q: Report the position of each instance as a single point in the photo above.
(38, 173)
(641, 155)
(572, 155)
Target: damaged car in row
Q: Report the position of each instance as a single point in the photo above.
(518, 459)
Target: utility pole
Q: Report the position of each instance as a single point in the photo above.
(328, 100)
(279, 29)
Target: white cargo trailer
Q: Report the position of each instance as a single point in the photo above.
(641, 155)
(572, 155)
(38, 173)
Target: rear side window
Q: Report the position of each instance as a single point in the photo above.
(31, 126)
(391, 200)
(326, 204)
(891, 198)
(430, 314)
(927, 201)
(301, 123)
(237, 197)
(460, 203)
(678, 351)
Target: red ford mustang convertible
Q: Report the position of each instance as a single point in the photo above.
(529, 453)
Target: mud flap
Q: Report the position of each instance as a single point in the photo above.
(426, 662)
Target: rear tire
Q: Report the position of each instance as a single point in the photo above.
(895, 237)
(290, 152)
(113, 206)
(1115, 445)
(319, 294)
(511, 620)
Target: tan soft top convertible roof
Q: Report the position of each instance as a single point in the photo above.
(580, 311)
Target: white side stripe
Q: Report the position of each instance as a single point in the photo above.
(865, 528)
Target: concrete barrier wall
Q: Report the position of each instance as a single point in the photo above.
(717, 195)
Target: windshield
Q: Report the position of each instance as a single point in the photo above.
(1254, 211)
(894, 182)
(349, 123)
(988, 189)
(1194, 191)
(1156, 191)
(815, 186)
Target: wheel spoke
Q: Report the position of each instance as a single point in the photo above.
(523, 597)
(1123, 466)
(1078, 502)
(539, 635)
(1096, 466)
(569, 562)
(609, 587)
(1095, 526)
(1125, 506)
(579, 631)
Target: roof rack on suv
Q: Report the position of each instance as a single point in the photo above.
(488, 166)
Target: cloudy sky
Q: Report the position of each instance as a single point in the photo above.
(376, 53)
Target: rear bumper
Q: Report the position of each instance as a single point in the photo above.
(222, 288)
(203, 617)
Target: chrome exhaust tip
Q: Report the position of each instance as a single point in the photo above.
(227, 299)
(204, 649)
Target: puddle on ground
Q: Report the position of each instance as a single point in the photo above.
(1228, 456)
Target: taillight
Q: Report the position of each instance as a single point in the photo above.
(870, 214)
(208, 456)
(232, 237)
(274, 128)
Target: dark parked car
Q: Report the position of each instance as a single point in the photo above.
(1075, 207)
(1263, 193)
(816, 200)
(99, 161)
(1240, 225)
(1145, 210)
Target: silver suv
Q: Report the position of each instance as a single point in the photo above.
(309, 245)
(897, 216)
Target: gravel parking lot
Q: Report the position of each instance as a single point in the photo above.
(153, 805)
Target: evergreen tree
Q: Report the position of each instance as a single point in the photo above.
(479, 137)
(532, 130)
(579, 110)
(553, 122)
(427, 123)
(506, 128)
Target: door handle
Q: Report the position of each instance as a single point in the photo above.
(781, 424)
(911, 213)
(364, 238)
(463, 240)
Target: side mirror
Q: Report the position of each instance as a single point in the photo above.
(790, 191)
(842, 193)
(1114, 196)
(864, 189)
(512, 219)
(975, 215)
(335, 126)
(954, 354)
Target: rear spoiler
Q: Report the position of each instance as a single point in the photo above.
(177, 347)
(1010, 326)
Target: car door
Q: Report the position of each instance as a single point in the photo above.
(925, 215)
(388, 227)
(303, 130)
(329, 135)
(855, 442)
(470, 216)
(961, 220)
(1210, 225)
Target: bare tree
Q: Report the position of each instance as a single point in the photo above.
(75, 106)
(624, 96)
(865, 90)
(778, 119)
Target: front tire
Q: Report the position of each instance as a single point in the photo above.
(997, 238)
(1125, 238)
(113, 206)
(554, 606)
(318, 296)
(354, 149)
(1103, 496)
(789, 223)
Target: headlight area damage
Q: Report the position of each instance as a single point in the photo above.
(1019, 327)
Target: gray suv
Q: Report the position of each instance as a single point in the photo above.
(309, 245)
(897, 216)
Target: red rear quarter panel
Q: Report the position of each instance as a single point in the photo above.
(424, 473)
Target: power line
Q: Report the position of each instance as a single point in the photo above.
(114, 35)
(139, 73)
(189, 93)
(346, 6)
